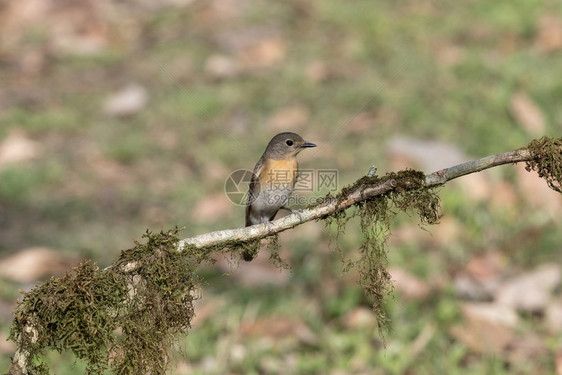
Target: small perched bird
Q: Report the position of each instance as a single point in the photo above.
(273, 179)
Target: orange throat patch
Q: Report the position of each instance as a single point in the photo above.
(276, 173)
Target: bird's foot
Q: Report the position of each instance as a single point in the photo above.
(297, 212)
(267, 226)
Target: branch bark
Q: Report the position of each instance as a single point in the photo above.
(331, 206)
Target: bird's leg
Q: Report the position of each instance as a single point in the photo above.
(293, 211)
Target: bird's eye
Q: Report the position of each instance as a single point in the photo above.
(289, 142)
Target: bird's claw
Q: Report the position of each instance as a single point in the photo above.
(297, 212)
(267, 226)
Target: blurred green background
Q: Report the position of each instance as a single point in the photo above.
(116, 117)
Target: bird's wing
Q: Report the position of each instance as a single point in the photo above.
(252, 194)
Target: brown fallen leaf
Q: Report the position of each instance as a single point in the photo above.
(217, 12)
(6, 347)
(409, 286)
(221, 66)
(491, 312)
(481, 276)
(531, 291)
(360, 317)
(78, 27)
(535, 191)
(278, 327)
(317, 71)
(35, 263)
(527, 114)
(471, 289)
(549, 33)
(127, 101)
(16, 17)
(262, 53)
(488, 328)
(448, 54)
(488, 266)
(17, 148)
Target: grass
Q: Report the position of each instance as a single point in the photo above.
(101, 181)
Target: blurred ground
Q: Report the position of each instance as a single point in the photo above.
(121, 116)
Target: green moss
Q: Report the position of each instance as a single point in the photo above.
(159, 303)
(547, 160)
(274, 256)
(75, 312)
(409, 194)
(250, 250)
(113, 319)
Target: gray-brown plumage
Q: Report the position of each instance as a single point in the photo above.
(274, 178)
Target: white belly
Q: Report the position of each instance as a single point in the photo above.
(268, 203)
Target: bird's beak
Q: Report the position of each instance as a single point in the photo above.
(307, 144)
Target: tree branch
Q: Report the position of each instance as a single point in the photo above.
(332, 205)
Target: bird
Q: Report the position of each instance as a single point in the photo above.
(273, 180)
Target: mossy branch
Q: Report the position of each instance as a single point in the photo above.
(127, 317)
(363, 190)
